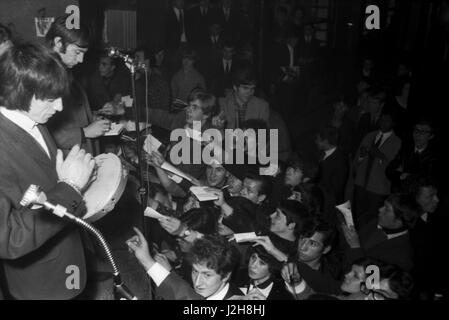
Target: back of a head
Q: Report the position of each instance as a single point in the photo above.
(215, 253)
(244, 76)
(78, 37)
(203, 220)
(329, 134)
(27, 69)
(297, 213)
(405, 208)
(399, 281)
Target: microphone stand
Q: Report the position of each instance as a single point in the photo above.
(35, 195)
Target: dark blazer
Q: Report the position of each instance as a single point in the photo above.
(333, 175)
(230, 27)
(36, 247)
(199, 24)
(175, 288)
(173, 29)
(219, 78)
(281, 58)
(66, 127)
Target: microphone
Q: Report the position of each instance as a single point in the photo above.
(35, 196)
(114, 52)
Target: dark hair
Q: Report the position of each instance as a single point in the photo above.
(295, 212)
(312, 197)
(309, 168)
(274, 265)
(329, 134)
(28, 69)
(244, 76)
(414, 184)
(79, 37)
(265, 183)
(377, 93)
(208, 100)
(426, 122)
(105, 54)
(216, 253)
(190, 54)
(145, 51)
(405, 208)
(320, 226)
(5, 33)
(400, 83)
(228, 44)
(203, 220)
(400, 281)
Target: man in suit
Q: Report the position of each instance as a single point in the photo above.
(221, 75)
(177, 28)
(228, 16)
(37, 249)
(76, 124)
(376, 151)
(333, 171)
(213, 260)
(201, 17)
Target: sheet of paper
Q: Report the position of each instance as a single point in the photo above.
(128, 101)
(131, 126)
(151, 213)
(167, 166)
(151, 144)
(175, 178)
(116, 128)
(245, 237)
(345, 209)
(202, 194)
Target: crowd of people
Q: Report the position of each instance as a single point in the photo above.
(373, 152)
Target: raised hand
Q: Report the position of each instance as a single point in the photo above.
(77, 167)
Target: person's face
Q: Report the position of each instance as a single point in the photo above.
(244, 92)
(250, 190)
(386, 123)
(139, 56)
(422, 134)
(293, 176)
(235, 184)
(106, 67)
(187, 62)
(215, 175)
(428, 199)
(293, 41)
(281, 16)
(375, 105)
(42, 110)
(308, 31)
(340, 109)
(194, 112)
(227, 3)
(387, 218)
(257, 268)
(320, 143)
(73, 54)
(299, 15)
(311, 249)
(185, 244)
(206, 282)
(353, 279)
(159, 57)
(278, 222)
(204, 3)
(368, 64)
(228, 53)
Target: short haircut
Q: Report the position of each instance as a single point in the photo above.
(312, 196)
(400, 281)
(329, 134)
(426, 122)
(5, 33)
(190, 54)
(378, 93)
(308, 167)
(28, 69)
(414, 184)
(274, 265)
(203, 220)
(405, 208)
(318, 225)
(105, 54)
(208, 101)
(295, 212)
(215, 253)
(79, 37)
(228, 44)
(244, 76)
(265, 183)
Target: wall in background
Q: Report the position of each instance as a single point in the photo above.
(20, 14)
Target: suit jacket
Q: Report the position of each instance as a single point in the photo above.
(219, 79)
(256, 109)
(175, 288)
(231, 26)
(377, 181)
(333, 175)
(281, 58)
(199, 29)
(309, 50)
(36, 247)
(67, 126)
(174, 29)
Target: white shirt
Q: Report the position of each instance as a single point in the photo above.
(329, 152)
(226, 12)
(393, 235)
(203, 11)
(227, 65)
(220, 294)
(178, 16)
(24, 122)
(385, 136)
(266, 291)
(424, 217)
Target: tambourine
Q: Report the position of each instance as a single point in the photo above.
(104, 192)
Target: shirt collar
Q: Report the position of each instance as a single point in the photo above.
(329, 152)
(425, 217)
(393, 235)
(418, 150)
(19, 118)
(220, 294)
(265, 291)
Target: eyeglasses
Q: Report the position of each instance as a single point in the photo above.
(417, 130)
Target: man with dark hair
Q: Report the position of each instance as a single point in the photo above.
(36, 248)
(241, 104)
(333, 172)
(213, 261)
(220, 76)
(76, 124)
(416, 159)
(177, 27)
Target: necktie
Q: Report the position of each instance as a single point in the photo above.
(181, 19)
(227, 67)
(370, 162)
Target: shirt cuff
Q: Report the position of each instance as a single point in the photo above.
(158, 273)
(298, 288)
